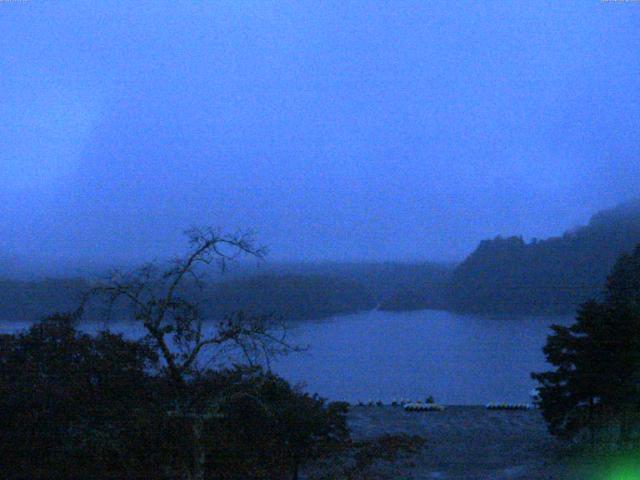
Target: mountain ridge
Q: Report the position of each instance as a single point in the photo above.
(549, 276)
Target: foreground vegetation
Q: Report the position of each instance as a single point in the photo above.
(170, 405)
(77, 406)
(593, 390)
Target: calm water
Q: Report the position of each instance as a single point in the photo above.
(458, 359)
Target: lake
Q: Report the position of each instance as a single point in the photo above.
(459, 359)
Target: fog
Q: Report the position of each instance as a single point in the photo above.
(335, 130)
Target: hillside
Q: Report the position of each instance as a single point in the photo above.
(509, 275)
(32, 300)
(503, 275)
(428, 289)
(295, 297)
(291, 291)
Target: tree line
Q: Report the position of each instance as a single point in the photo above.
(593, 393)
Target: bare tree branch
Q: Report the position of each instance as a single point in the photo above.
(174, 323)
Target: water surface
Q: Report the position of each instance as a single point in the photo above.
(459, 359)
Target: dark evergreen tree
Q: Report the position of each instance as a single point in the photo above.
(623, 285)
(596, 379)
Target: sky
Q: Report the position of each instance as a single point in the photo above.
(397, 130)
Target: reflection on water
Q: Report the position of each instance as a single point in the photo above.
(459, 359)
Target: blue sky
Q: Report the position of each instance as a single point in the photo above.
(336, 130)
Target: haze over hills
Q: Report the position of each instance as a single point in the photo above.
(294, 291)
(509, 275)
(502, 275)
(545, 276)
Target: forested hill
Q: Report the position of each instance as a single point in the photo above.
(33, 300)
(503, 275)
(507, 275)
(295, 297)
(290, 291)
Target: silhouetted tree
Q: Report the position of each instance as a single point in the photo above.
(73, 405)
(102, 407)
(94, 407)
(623, 285)
(596, 380)
(267, 429)
(164, 300)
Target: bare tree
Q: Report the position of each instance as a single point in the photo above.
(162, 299)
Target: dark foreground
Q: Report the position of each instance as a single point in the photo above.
(468, 442)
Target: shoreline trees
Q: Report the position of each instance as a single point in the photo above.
(595, 385)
